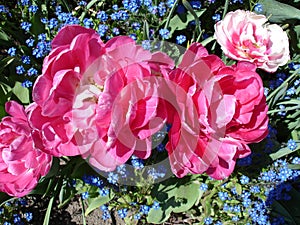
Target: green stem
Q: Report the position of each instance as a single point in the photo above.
(282, 85)
(225, 8)
(171, 13)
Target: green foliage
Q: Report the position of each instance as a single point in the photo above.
(278, 12)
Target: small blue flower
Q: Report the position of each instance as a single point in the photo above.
(223, 195)
(26, 26)
(203, 187)
(195, 4)
(122, 213)
(17, 218)
(235, 218)
(1, 210)
(88, 23)
(103, 207)
(296, 160)
(144, 209)
(102, 28)
(33, 8)
(208, 221)
(106, 215)
(180, 39)
(82, 3)
(137, 163)
(292, 145)
(113, 178)
(26, 59)
(133, 36)
(244, 179)
(258, 8)
(6, 223)
(30, 42)
(104, 192)
(102, 16)
(25, 2)
(11, 51)
(20, 69)
(216, 17)
(164, 33)
(85, 195)
(116, 31)
(28, 216)
(137, 216)
(27, 84)
(115, 7)
(53, 23)
(155, 205)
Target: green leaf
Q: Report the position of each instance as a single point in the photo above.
(282, 152)
(97, 202)
(48, 212)
(279, 12)
(21, 93)
(158, 216)
(180, 22)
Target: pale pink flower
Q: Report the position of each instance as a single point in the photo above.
(246, 36)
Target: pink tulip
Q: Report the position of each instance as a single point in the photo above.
(220, 110)
(246, 36)
(21, 165)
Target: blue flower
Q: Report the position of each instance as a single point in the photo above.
(258, 8)
(164, 33)
(122, 213)
(115, 7)
(30, 42)
(88, 23)
(53, 23)
(28, 216)
(296, 160)
(27, 84)
(195, 4)
(26, 59)
(103, 207)
(203, 187)
(216, 17)
(146, 44)
(102, 28)
(25, 2)
(33, 8)
(155, 205)
(17, 218)
(20, 69)
(180, 39)
(244, 179)
(223, 195)
(136, 162)
(82, 3)
(26, 26)
(106, 215)
(137, 216)
(85, 195)
(113, 178)
(11, 51)
(144, 209)
(102, 16)
(208, 221)
(104, 192)
(292, 145)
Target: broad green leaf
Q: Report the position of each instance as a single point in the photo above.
(21, 93)
(180, 22)
(97, 202)
(158, 216)
(282, 152)
(279, 12)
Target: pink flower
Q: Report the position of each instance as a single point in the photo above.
(220, 110)
(245, 36)
(21, 165)
(74, 50)
(117, 107)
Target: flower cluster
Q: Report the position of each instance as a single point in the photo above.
(106, 101)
